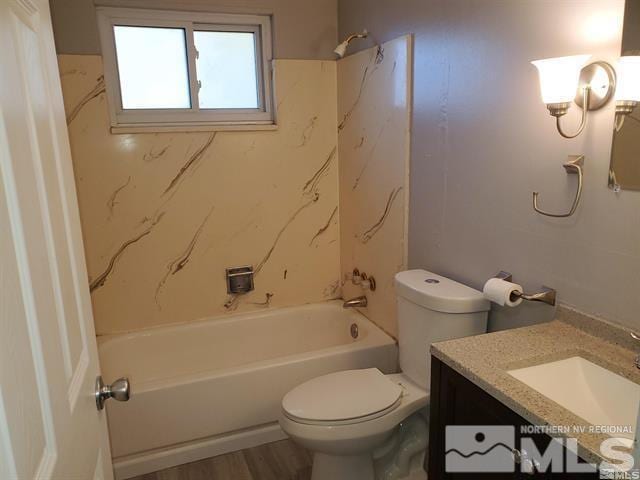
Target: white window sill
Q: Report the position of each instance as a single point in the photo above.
(159, 128)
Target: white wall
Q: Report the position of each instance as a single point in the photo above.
(483, 141)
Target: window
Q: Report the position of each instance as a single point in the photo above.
(168, 70)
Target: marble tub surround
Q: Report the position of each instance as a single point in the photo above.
(164, 214)
(485, 360)
(374, 118)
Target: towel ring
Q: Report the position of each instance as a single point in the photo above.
(574, 166)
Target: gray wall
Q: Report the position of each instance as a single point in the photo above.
(483, 142)
(303, 29)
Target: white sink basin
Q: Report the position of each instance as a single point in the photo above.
(591, 392)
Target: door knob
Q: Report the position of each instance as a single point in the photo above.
(119, 390)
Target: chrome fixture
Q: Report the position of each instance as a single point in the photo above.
(575, 165)
(356, 278)
(528, 465)
(636, 362)
(596, 84)
(567, 79)
(342, 48)
(239, 280)
(354, 330)
(623, 108)
(355, 302)
(366, 282)
(118, 390)
(546, 295)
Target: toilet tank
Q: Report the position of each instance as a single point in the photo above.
(431, 309)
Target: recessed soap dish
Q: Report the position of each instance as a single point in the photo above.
(239, 280)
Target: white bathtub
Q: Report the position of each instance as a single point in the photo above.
(213, 386)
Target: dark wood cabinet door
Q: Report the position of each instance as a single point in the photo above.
(457, 402)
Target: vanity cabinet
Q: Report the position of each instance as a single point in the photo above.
(455, 400)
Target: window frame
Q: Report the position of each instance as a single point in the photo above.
(193, 118)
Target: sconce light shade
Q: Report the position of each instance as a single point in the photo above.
(559, 77)
(628, 89)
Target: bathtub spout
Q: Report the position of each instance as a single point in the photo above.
(355, 302)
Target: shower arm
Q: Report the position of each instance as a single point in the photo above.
(353, 36)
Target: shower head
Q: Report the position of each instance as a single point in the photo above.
(342, 48)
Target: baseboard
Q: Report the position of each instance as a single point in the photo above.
(154, 460)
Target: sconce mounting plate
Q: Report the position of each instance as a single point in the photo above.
(601, 77)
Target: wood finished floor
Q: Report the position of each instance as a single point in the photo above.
(274, 461)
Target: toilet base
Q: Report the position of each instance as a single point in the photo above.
(337, 467)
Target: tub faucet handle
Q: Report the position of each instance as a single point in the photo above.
(368, 283)
(356, 277)
(363, 280)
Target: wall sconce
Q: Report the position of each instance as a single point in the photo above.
(567, 79)
(628, 91)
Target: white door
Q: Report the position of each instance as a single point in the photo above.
(49, 425)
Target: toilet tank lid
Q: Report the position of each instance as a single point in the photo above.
(438, 293)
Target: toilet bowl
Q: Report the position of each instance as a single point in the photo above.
(348, 415)
(344, 417)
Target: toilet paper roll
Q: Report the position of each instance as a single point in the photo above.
(499, 291)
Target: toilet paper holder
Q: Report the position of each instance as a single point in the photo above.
(547, 295)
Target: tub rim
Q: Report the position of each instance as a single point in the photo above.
(222, 319)
(376, 337)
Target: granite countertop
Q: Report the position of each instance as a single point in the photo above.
(485, 360)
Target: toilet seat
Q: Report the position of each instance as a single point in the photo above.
(358, 435)
(343, 398)
(349, 421)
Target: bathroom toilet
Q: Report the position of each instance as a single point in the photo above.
(344, 417)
